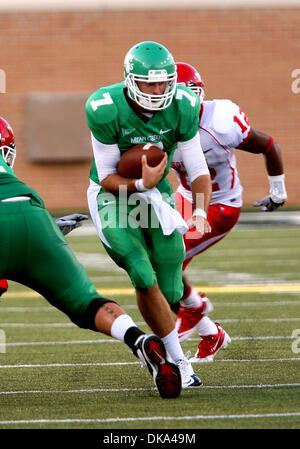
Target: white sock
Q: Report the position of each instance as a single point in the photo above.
(172, 345)
(121, 325)
(206, 326)
(192, 300)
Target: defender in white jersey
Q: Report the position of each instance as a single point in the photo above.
(223, 127)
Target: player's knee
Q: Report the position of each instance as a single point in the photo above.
(86, 320)
(142, 275)
(142, 281)
(172, 295)
(170, 283)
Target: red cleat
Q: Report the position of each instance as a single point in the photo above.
(188, 317)
(210, 345)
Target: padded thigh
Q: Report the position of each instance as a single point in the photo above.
(37, 255)
(130, 253)
(166, 249)
(148, 256)
(167, 256)
(170, 282)
(127, 243)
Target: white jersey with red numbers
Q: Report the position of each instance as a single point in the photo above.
(223, 127)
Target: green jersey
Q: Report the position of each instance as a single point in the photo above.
(11, 186)
(113, 121)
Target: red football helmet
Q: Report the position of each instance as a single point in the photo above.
(7, 142)
(188, 76)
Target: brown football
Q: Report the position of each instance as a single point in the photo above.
(130, 165)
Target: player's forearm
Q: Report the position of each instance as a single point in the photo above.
(273, 160)
(201, 190)
(274, 166)
(261, 143)
(115, 183)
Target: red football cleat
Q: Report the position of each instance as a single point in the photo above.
(188, 317)
(210, 345)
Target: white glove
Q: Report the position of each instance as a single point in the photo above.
(268, 205)
(277, 197)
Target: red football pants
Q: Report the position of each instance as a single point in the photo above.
(221, 218)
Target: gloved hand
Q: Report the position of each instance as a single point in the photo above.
(268, 205)
(70, 222)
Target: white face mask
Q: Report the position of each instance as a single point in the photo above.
(151, 102)
(9, 155)
(197, 89)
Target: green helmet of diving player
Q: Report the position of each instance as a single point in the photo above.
(150, 62)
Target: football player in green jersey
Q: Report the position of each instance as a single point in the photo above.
(35, 253)
(147, 108)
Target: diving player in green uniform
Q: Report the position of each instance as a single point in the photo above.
(34, 252)
(148, 108)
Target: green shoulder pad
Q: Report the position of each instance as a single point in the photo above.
(102, 113)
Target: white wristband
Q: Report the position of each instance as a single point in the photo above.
(198, 212)
(139, 185)
(277, 188)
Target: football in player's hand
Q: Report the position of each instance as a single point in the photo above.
(130, 165)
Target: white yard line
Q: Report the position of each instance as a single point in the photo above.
(68, 365)
(108, 340)
(95, 364)
(134, 306)
(149, 418)
(141, 323)
(118, 390)
(68, 342)
(2, 325)
(28, 309)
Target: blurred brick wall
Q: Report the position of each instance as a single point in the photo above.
(246, 55)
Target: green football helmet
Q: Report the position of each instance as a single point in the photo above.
(150, 62)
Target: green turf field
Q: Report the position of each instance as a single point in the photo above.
(54, 375)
